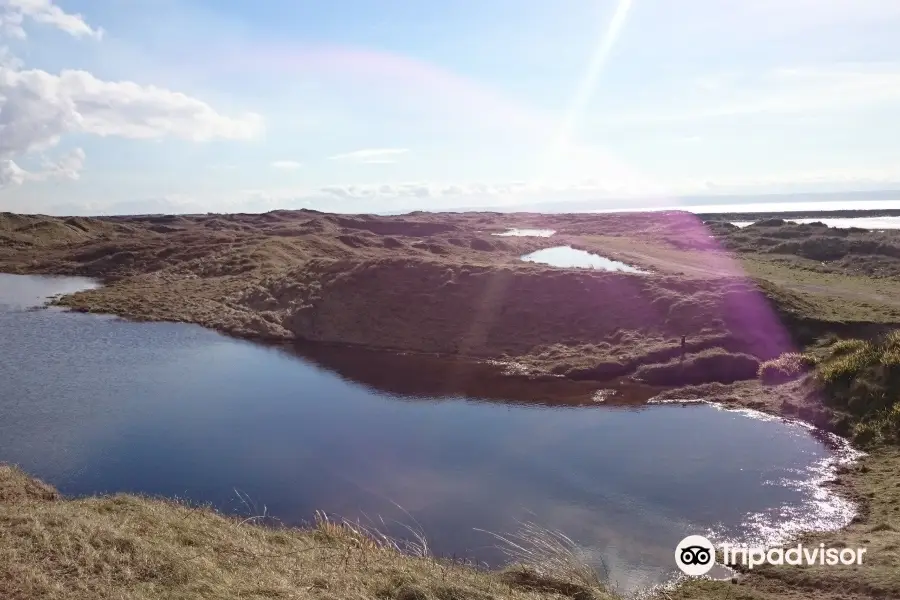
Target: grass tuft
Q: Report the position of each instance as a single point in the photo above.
(787, 367)
(862, 379)
(714, 365)
(545, 559)
(124, 546)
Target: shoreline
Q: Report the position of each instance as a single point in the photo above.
(441, 288)
(648, 397)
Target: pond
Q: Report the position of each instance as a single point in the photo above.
(527, 233)
(568, 257)
(96, 404)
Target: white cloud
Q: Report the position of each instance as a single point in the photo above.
(14, 12)
(11, 173)
(8, 60)
(817, 12)
(589, 194)
(880, 177)
(371, 156)
(38, 108)
(782, 91)
(286, 165)
(802, 89)
(764, 20)
(67, 166)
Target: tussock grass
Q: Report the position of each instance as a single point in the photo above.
(862, 379)
(787, 367)
(550, 560)
(125, 546)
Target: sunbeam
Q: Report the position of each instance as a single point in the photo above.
(588, 83)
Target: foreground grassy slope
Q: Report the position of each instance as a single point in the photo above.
(138, 548)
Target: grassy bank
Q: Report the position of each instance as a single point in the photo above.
(139, 548)
(852, 386)
(443, 284)
(132, 547)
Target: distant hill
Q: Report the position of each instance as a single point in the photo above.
(693, 201)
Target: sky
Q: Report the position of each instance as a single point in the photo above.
(145, 106)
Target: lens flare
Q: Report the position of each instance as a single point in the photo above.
(588, 84)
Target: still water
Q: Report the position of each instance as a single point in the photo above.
(527, 233)
(876, 223)
(566, 256)
(96, 404)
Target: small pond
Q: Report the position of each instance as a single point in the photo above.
(96, 404)
(527, 233)
(566, 256)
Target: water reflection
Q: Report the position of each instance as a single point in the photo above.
(426, 377)
(566, 256)
(527, 233)
(19, 292)
(95, 404)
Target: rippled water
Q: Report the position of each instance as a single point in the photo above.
(566, 256)
(18, 292)
(96, 404)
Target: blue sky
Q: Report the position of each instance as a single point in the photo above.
(365, 105)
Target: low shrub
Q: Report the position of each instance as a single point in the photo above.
(862, 379)
(787, 367)
(842, 347)
(884, 428)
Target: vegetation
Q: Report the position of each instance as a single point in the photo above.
(141, 548)
(787, 367)
(442, 284)
(862, 379)
(714, 365)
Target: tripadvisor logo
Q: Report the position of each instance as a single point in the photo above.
(695, 555)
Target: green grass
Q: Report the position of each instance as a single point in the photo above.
(787, 367)
(862, 378)
(859, 381)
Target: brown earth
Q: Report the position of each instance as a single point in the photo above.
(435, 286)
(443, 284)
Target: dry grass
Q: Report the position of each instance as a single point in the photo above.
(419, 283)
(714, 365)
(442, 283)
(139, 548)
(787, 367)
(550, 560)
